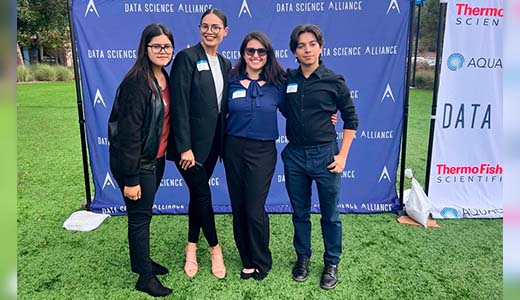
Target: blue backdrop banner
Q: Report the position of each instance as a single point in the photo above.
(366, 41)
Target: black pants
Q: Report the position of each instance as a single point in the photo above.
(250, 167)
(140, 215)
(200, 209)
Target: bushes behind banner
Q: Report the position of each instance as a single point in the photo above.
(424, 79)
(44, 73)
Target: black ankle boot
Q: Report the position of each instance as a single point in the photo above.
(300, 270)
(329, 277)
(260, 275)
(149, 284)
(159, 269)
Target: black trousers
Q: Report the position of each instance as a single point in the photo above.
(249, 168)
(200, 209)
(140, 215)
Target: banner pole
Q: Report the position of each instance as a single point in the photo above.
(405, 105)
(416, 43)
(81, 116)
(438, 57)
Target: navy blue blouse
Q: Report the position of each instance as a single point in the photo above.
(252, 111)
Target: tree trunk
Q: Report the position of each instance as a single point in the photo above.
(62, 56)
(40, 54)
(20, 57)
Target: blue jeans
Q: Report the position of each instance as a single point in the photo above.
(302, 165)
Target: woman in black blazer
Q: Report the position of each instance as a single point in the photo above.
(198, 81)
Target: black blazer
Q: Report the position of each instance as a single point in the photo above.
(194, 110)
(134, 129)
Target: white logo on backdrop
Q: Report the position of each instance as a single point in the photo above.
(108, 182)
(393, 6)
(91, 8)
(388, 93)
(99, 99)
(244, 9)
(384, 175)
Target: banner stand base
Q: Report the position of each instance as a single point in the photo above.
(405, 220)
(86, 204)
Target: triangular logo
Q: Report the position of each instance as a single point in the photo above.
(385, 175)
(393, 6)
(244, 9)
(91, 8)
(98, 99)
(388, 93)
(108, 182)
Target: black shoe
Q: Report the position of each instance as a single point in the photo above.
(246, 276)
(329, 277)
(149, 284)
(260, 275)
(300, 270)
(159, 269)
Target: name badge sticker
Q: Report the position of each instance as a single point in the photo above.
(202, 65)
(239, 94)
(292, 88)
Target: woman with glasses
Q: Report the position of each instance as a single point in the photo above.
(138, 130)
(256, 91)
(199, 80)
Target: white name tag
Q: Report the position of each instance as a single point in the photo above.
(292, 88)
(202, 65)
(239, 94)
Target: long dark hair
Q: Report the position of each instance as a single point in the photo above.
(217, 12)
(272, 70)
(142, 66)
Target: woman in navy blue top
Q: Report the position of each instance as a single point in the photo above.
(256, 91)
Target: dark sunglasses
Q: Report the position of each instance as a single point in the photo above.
(260, 51)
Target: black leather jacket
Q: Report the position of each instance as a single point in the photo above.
(134, 130)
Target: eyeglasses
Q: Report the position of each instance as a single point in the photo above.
(214, 28)
(157, 48)
(260, 51)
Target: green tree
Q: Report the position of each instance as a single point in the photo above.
(43, 21)
(429, 26)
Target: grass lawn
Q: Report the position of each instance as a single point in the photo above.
(381, 259)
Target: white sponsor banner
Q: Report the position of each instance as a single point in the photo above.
(466, 169)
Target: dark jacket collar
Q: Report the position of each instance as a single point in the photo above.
(203, 52)
(319, 72)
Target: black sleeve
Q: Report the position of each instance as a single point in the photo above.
(230, 66)
(346, 106)
(131, 108)
(180, 87)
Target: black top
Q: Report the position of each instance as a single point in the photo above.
(310, 102)
(195, 113)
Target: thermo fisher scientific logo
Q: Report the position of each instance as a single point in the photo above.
(468, 174)
(468, 15)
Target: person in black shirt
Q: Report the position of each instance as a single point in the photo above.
(138, 133)
(313, 93)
